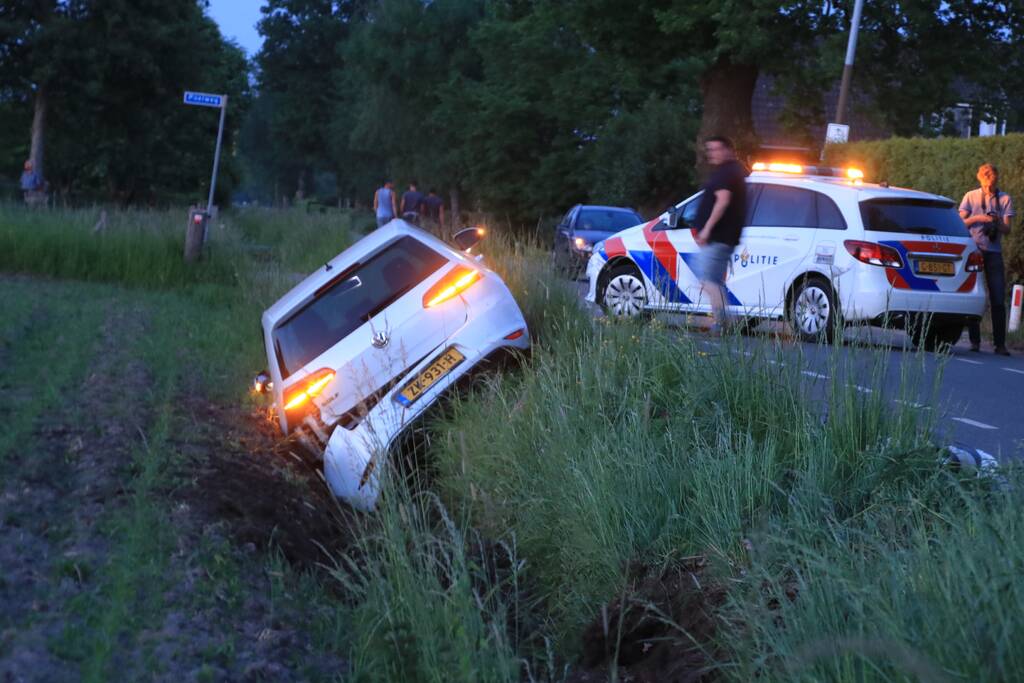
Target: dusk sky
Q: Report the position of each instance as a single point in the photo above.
(237, 20)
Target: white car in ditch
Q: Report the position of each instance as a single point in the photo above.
(364, 345)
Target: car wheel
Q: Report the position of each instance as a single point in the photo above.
(812, 314)
(936, 337)
(625, 294)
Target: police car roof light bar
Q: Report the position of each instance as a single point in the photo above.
(854, 174)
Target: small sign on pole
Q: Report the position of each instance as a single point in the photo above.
(204, 99)
(837, 134)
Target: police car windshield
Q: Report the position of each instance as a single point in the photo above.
(916, 216)
(353, 297)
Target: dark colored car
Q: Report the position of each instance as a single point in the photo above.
(583, 227)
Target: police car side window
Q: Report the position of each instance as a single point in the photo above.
(781, 206)
(753, 192)
(689, 214)
(829, 216)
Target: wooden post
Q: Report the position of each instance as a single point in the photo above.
(194, 235)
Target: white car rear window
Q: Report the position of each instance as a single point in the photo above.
(349, 300)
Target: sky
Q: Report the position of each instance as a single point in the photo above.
(237, 20)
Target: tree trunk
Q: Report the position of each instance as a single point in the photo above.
(727, 90)
(38, 132)
(455, 217)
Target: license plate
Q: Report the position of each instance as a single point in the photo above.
(936, 267)
(430, 376)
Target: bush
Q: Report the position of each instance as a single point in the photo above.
(945, 166)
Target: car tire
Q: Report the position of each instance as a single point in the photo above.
(624, 294)
(812, 310)
(936, 337)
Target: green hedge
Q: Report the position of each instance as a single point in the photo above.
(946, 166)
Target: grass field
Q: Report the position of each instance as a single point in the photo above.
(628, 505)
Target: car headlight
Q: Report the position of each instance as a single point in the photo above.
(581, 244)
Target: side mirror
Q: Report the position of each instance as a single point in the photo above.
(262, 384)
(466, 239)
(673, 217)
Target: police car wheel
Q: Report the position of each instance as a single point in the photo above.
(624, 295)
(813, 312)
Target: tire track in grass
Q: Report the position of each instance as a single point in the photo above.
(44, 347)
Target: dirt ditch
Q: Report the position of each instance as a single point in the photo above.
(262, 488)
(660, 629)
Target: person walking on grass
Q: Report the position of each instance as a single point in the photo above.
(411, 201)
(433, 212)
(988, 214)
(385, 204)
(720, 218)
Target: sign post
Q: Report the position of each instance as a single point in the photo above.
(202, 99)
(1015, 304)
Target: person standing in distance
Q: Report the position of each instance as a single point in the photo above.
(33, 187)
(988, 214)
(385, 204)
(720, 216)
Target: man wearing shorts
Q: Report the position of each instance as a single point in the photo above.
(720, 221)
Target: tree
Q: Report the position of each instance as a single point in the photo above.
(296, 67)
(110, 74)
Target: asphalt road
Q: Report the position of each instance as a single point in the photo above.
(974, 396)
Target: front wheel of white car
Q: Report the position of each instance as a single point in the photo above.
(624, 294)
(812, 313)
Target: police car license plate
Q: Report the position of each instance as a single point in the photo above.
(936, 267)
(430, 376)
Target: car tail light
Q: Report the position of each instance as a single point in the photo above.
(975, 262)
(515, 335)
(874, 254)
(455, 281)
(299, 394)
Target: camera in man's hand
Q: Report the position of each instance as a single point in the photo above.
(991, 229)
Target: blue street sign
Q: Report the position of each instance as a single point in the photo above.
(203, 99)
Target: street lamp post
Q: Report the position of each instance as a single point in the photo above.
(851, 49)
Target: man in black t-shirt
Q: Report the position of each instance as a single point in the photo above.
(720, 221)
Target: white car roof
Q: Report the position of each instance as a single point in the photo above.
(367, 245)
(842, 186)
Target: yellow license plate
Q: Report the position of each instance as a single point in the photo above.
(430, 376)
(936, 267)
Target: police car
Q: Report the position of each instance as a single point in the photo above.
(821, 247)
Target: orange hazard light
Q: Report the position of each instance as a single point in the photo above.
(297, 395)
(456, 281)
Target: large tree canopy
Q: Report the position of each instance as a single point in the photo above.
(110, 74)
(526, 107)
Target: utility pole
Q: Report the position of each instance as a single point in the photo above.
(851, 50)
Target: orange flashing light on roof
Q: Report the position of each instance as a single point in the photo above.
(855, 175)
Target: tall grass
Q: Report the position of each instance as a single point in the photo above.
(144, 248)
(847, 554)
